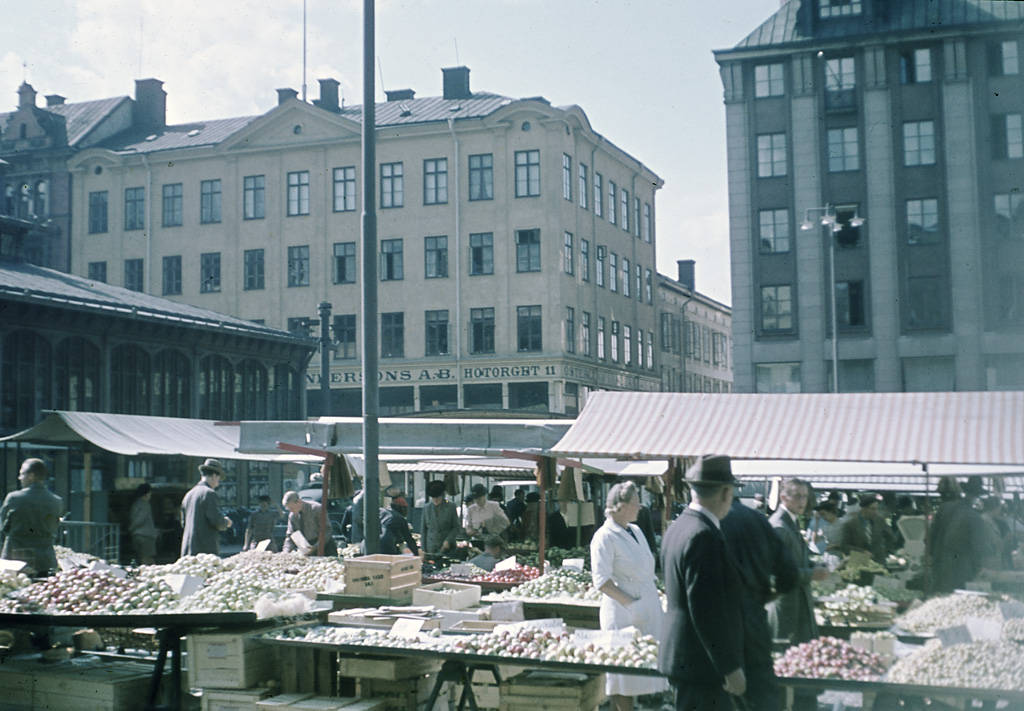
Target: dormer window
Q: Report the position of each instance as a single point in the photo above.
(22, 131)
(838, 8)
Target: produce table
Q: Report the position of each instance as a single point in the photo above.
(346, 602)
(912, 693)
(576, 613)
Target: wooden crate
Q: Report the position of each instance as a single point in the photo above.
(232, 699)
(447, 596)
(124, 685)
(323, 703)
(388, 669)
(380, 574)
(367, 705)
(281, 701)
(552, 691)
(402, 695)
(18, 681)
(307, 670)
(228, 661)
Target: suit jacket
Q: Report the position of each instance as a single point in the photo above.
(791, 615)
(29, 520)
(853, 536)
(203, 522)
(704, 639)
(440, 524)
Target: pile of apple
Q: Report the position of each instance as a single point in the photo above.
(519, 574)
(546, 645)
(559, 583)
(829, 658)
(11, 581)
(83, 592)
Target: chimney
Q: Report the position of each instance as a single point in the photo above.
(328, 95)
(400, 94)
(26, 95)
(686, 275)
(54, 100)
(284, 94)
(150, 104)
(456, 83)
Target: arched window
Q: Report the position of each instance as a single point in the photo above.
(129, 380)
(26, 367)
(77, 375)
(252, 403)
(9, 200)
(41, 206)
(216, 388)
(172, 384)
(286, 403)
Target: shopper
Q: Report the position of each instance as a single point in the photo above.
(29, 520)
(141, 527)
(261, 525)
(822, 528)
(306, 516)
(702, 650)
(440, 525)
(482, 516)
(959, 540)
(494, 552)
(395, 529)
(865, 530)
(622, 568)
(200, 512)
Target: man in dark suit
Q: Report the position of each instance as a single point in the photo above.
(865, 530)
(765, 569)
(702, 651)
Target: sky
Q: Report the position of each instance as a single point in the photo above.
(642, 71)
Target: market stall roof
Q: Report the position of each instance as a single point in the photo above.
(142, 434)
(935, 428)
(467, 467)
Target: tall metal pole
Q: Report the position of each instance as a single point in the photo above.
(832, 288)
(371, 432)
(325, 357)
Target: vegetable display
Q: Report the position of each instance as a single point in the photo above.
(559, 583)
(947, 611)
(82, 592)
(991, 664)
(829, 658)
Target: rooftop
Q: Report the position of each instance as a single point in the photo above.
(80, 117)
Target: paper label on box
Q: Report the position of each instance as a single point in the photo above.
(183, 585)
(982, 629)
(17, 565)
(216, 651)
(511, 611)
(461, 570)
(576, 563)
(406, 627)
(954, 635)
(263, 545)
(299, 540)
(1012, 609)
(507, 564)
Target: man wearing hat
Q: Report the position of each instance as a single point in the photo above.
(200, 512)
(702, 651)
(483, 516)
(440, 523)
(865, 530)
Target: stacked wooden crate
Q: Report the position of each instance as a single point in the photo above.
(552, 691)
(402, 684)
(28, 684)
(381, 575)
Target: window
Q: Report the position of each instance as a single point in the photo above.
(922, 221)
(41, 199)
(916, 66)
(647, 222)
(391, 260)
(392, 185)
(776, 308)
(1009, 212)
(613, 192)
(134, 208)
(843, 153)
(568, 260)
(625, 277)
(298, 193)
(926, 304)
(613, 271)
(1007, 136)
(528, 329)
(172, 207)
(299, 326)
(624, 209)
(850, 303)
(1011, 297)
(172, 275)
(481, 324)
(435, 257)
(298, 265)
(436, 332)
(627, 345)
(840, 83)
(98, 271)
(345, 263)
(768, 80)
(771, 155)
(600, 337)
(528, 250)
(585, 333)
(598, 194)
(209, 272)
(253, 277)
(254, 202)
(585, 260)
(774, 231)
(640, 348)
(650, 350)
(97, 212)
(636, 216)
(345, 189)
(345, 336)
(209, 201)
(918, 143)
(582, 170)
(638, 273)
(600, 265)
(706, 343)
(648, 286)
(133, 274)
(392, 335)
(838, 8)
(614, 342)
(567, 177)
(527, 173)
(481, 177)
(570, 329)
(435, 181)
(481, 253)
(1005, 58)
(777, 377)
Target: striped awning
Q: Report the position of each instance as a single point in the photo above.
(932, 428)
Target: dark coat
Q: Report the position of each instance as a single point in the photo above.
(791, 615)
(960, 540)
(202, 519)
(29, 520)
(704, 640)
(853, 536)
(394, 531)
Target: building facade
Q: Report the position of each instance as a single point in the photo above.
(516, 244)
(694, 336)
(881, 141)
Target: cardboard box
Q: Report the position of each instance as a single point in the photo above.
(387, 669)
(447, 596)
(232, 699)
(382, 575)
(228, 661)
(552, 691)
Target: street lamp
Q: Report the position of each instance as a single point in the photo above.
(826, 217)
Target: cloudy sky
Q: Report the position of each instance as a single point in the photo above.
(642, 71)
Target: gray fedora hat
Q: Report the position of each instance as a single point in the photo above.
(212, 466)
(711, 470)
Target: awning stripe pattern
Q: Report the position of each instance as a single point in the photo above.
(937, 427)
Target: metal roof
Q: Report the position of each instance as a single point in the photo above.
(430, 108)
(80, 117)
(21, 281)
(187, 135)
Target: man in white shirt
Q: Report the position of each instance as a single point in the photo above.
(483, 517)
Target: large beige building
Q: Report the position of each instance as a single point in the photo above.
(516, 244)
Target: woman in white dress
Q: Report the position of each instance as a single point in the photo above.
(622, 567)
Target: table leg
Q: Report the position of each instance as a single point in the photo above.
(175, 668)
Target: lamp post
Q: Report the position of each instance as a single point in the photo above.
(826, 217)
